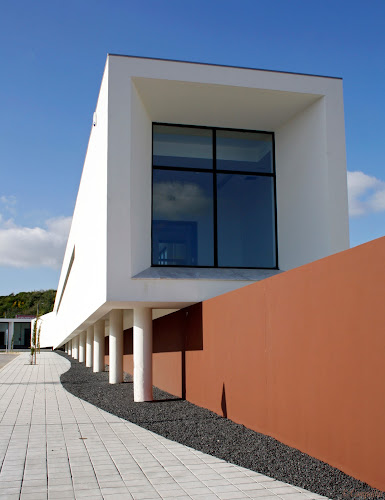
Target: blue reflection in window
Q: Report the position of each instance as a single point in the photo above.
(246, 221)
(182, 226)
(244, 151)
(182, 147)
(185, 172)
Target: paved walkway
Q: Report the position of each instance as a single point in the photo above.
(6, 358)
(54, 445)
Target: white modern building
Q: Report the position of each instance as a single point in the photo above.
(198, 179)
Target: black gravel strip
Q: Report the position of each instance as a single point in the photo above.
(203, 430)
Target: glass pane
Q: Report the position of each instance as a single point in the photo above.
(246, 221)
(182, 218)
(182, 147)
(244, 151)
(22, 335)
(3, 335)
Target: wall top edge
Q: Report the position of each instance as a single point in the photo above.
(224, 66)
(16, 320)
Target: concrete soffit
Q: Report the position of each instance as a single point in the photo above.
(220, 105)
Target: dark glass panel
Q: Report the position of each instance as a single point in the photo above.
(246, 221)
(182, 218)
(244, 151)
(3, 335)
(182, 147)
(21, 334)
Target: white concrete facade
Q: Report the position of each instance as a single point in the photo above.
(107, 263)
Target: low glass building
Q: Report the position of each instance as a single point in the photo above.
(15, 333)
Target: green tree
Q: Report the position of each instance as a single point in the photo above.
(27, 303)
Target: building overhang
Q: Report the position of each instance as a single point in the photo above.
(220, 105)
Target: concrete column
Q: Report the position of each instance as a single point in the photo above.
(75, 347)
(98, 365)
(116, 346)
(89, 345)
(70, 347)
(142, 354)
(82, 347)
(65, 347)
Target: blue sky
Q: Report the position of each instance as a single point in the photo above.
(52, 59)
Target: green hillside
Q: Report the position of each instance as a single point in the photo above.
(27, 303)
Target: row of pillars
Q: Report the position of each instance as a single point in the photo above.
(88, 348)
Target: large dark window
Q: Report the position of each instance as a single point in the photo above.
(3, 335)
(213, 198)
(21, 335)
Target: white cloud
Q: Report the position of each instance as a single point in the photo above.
(8, 200)
(175, 199)
(8, 203)
(33, 247)
(366, 194)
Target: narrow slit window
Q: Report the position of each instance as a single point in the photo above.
(66, 278)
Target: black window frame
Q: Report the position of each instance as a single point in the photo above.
(214, 172)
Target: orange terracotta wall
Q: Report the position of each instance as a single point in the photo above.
(106, 351)
(172, 336)
(301, 357)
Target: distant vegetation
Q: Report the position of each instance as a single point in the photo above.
(27, 303)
